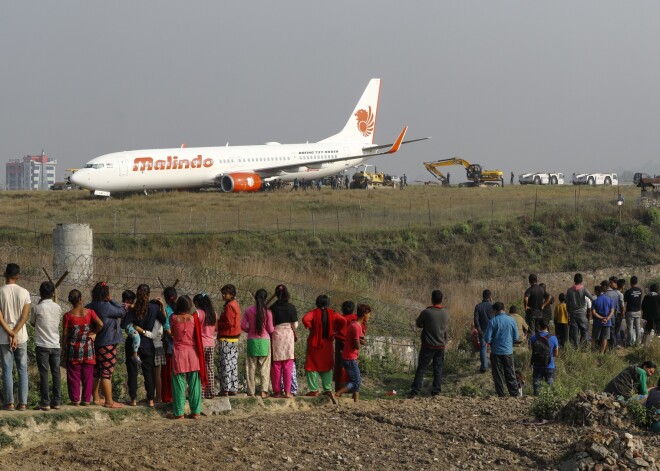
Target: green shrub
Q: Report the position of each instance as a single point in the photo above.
(463, 229)
(547, 403)
(652, 217)
(608, 224)
(538, 229)
(638, 413)
(575, 224)
(640, 234)
(471, 390)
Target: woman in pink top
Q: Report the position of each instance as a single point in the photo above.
(257, 321)
(187, 360)
(207, 318)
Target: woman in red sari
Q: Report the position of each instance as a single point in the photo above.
(322, 323)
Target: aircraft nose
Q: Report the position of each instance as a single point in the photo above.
(78, 178)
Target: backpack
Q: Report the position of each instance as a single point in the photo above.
(541, 352)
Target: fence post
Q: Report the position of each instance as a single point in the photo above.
(428, 203)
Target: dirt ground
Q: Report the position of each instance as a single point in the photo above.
(440, 433)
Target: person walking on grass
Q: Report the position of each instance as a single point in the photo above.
(483, 313)
(322, 323)
(351, 350)
(501, 334)
(545, 348)
(80, 326)
(602, 312)
(257, 322)
(46, 317)
(433, 322)
(577, 298)
(14, 313)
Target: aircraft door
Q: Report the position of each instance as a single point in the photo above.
(346, 154)
(123, 168)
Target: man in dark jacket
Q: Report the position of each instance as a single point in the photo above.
(632, 381)
(433, 322)
(483, 312)
(535, 302)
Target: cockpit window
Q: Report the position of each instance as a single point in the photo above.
(94, 166)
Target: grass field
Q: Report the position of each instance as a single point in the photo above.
(386, 247)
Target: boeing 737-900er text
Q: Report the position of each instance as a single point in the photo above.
(241, 168)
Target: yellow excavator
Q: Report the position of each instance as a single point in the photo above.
(476, 175)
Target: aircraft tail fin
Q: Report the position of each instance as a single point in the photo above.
(361, 124)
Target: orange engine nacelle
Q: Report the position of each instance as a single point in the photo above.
(240, 182)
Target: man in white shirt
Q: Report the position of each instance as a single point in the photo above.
(14, 312)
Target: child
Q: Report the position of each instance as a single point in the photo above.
(285, 323)
(523, 328)
(80, 326)
(229, 331)
(349, 355)
(128, 300)
(207, 318)
(45, 317)
(169, 297)
(187, 360)
(561, 320)
(257, 322)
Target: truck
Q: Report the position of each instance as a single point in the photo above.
(475, 173)
(363, 179)
(595, 179)
(541, 178)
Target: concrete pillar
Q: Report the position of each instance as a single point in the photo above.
(73, 250)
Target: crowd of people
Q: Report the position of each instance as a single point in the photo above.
(585, 320)
(172, 341)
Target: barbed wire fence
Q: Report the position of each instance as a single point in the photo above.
(393, 337)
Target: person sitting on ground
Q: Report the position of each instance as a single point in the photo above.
(349, 355)
(523, 328)
(653, 407)
(631, 381)
(545, 348)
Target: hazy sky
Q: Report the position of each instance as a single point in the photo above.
(516, 85)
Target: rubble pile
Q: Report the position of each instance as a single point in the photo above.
(604, 450)
(590, 408)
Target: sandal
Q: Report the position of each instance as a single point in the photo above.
(195, 416)
(114, 405)
(9, 407)
(174, 417)
(22, 407)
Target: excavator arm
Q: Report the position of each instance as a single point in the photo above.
(474, 172)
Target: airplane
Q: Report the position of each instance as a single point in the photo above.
(241, 168)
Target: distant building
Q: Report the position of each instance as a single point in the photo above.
(32, 172)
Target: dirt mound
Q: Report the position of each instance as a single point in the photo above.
(590, 408)
(602, 449)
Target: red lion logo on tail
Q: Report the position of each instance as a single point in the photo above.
(365, 122)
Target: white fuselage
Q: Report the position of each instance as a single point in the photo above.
(158, 169)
